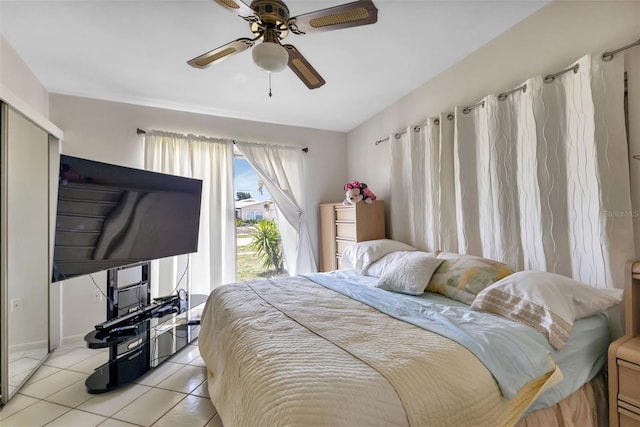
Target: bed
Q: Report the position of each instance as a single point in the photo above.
(406, 338)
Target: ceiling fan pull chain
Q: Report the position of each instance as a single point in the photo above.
(269, 84)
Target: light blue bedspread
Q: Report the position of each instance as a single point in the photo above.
(514, 354)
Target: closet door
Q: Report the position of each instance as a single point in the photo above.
(25, 249)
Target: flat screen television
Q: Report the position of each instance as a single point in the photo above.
(110, 216)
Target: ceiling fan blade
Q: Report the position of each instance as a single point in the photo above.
(239, 8)
(303, 69)
(220, 53)
(361, 12)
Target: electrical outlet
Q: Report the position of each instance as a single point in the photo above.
(97, 295)
(16, 305)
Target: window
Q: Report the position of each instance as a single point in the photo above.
(253, 203)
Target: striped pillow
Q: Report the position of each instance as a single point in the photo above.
(548, 302)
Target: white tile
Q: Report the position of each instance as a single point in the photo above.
(202, 390)
(71, 346)
(75, 418)
(35, 415)
(111, 422)
(191, 411)
(72, 396)
(21, 366)
(51, 384)
(198, 361)
(68, 358)
(185, 380)
(16, 380)
(43, 372)
(149, 407)
(111, 402)
(159, 374)
(90, 364)
(38, 353)
(186, 354)
(215, 422)
(15, 404)
(14, 356)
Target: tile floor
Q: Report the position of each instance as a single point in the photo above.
(172, 394)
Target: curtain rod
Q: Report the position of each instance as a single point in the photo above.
(397, 135)
(144, 132)
(606, 57)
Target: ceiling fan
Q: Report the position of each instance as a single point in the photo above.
(270, 22)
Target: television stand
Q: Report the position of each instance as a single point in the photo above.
(142, 339)
(142, 346)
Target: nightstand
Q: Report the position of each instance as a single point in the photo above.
(624, 358)
(626, 392)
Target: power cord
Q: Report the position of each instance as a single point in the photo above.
(186, 267)
(98, 288)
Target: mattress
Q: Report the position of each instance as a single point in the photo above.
(580, 360)
(293, 352)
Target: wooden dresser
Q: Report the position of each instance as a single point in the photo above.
(343, 225)
(624, 358)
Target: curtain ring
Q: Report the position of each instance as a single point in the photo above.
(467, 110)
(416, 129)
(398, 135)
(436, 122)
(551, 77)
(450, 116)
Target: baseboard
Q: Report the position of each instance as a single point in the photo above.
(72, 339)
(35, 345)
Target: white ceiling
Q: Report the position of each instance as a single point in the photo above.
(136, 52)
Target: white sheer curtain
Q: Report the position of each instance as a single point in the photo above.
(211, 161)
(415, 187)
(597, 170)
(280, 168)
(542, 174)
(486, 172)
(401, 186)
(448, 227)
(538, 179)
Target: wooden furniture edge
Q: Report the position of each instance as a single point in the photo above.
(631, 329)
(632, 299)
(613, 380)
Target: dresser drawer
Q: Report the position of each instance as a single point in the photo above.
(628, 418)
(629, 382)
(346, 231)
(347, 213)
(341, 245)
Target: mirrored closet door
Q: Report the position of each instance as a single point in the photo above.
(24, 249)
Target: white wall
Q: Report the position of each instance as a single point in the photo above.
(16, 76)
(106, 131)
(20, 88)
(546, 42)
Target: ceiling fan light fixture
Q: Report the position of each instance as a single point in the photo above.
(270, 56)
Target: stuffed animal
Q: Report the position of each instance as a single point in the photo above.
(356, 192)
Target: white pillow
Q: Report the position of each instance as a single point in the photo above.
(548, 302)
(389, 262)
(411, 275)
(360, 255)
